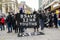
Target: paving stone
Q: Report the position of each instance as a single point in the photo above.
(50, 34)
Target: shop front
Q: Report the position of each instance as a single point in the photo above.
(54, 7)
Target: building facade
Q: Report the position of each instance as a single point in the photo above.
(47, 3)
(25, 7)
(52, 6)
(9, 6)
(42, 3)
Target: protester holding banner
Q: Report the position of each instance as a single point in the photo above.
(37, 20)
(18, 20)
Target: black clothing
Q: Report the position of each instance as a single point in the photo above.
(17, 24)
(13, 22)
(37, 19)
(43, 20)
(18, 20)
(51, 20)
(9, 19)
(9, 22)
(55, 20)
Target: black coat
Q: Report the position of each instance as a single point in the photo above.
(55, 18)
(17, 18)
(9, 19)
(37, 17)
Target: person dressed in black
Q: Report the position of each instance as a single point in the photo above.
(9, 22)
(51, 20)
(13, 21)
(55, 20)
(37, 20)
(45, 20)
(18, 21)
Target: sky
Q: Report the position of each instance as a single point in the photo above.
(31, 3)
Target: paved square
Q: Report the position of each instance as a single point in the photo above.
(50, 34)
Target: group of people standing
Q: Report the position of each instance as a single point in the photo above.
(53, 20)
(13, 21)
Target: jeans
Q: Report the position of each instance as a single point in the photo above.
(42, 24)
(1, 27)
(9, 27)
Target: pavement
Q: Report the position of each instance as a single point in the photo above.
(50, 34)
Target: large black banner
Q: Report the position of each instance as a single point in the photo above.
(28, 20)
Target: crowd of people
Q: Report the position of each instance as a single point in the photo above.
(12, 21)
